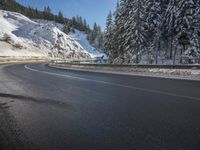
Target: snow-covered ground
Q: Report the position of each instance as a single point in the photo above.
(20, 36)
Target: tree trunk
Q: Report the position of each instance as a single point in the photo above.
(171, 49)
(174, 61)
(148, 57)
(137, 59)
(182, 54)
(166, 46)
(156, 56)
(173, 30)
(158, 51)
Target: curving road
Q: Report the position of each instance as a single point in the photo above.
(43, 108)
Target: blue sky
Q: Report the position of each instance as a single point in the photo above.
(92, 10)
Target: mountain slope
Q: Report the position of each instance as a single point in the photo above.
(79, 36)
(21, 36)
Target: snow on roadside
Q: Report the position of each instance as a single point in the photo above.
(189, 74)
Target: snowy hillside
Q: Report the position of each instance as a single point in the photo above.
(81, 38)
(20, 36)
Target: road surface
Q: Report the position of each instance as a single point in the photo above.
(43, 108)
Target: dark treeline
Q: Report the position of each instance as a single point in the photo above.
(95, 35)
(154, 30)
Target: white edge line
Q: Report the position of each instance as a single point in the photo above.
(114, 84)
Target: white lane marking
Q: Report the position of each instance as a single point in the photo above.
(114, 84)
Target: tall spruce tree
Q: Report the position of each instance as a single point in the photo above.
(60, 17)
(118, 40)
(108, 45)
(66, 28)
(154, 21)
(136, 26)
(171, 14)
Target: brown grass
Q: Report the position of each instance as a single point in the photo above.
(6, 38)
(18, 46)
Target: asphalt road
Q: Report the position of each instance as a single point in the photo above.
(43, 108)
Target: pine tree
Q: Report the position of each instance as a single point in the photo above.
(108, 45)
(189, 23)
(48, 13)
(109, 23)
(95, 36)
(66, 28)
(135, 28)
(198, 21)
(154, 21)
(94, 32)
(60, 18)
(171, 15)
(187, 10)
(85, 26)
(118, 40)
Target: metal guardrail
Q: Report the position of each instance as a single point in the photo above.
(131, 66)
(71, 60)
